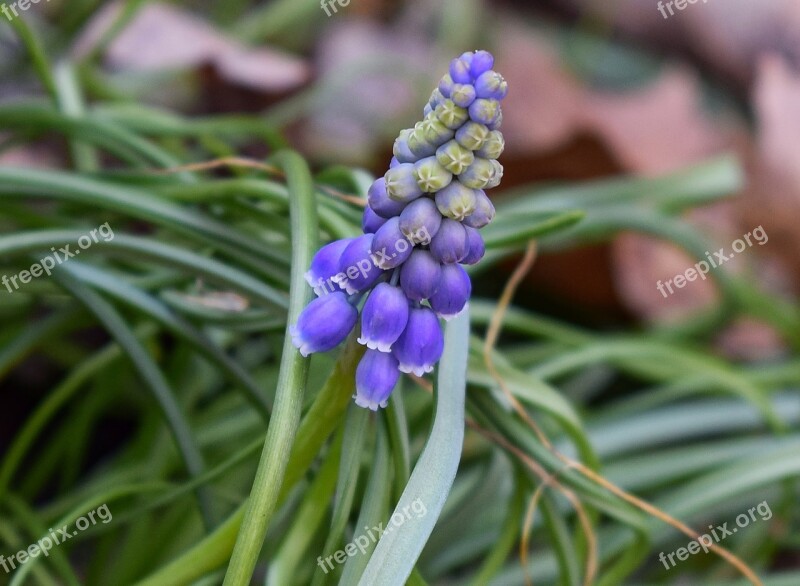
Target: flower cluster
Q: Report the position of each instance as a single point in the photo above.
(426, 212)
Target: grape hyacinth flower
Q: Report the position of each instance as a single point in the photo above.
(420, 227)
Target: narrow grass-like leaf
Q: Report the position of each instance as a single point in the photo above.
(291, 382)
(397, 552)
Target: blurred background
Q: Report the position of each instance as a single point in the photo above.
(697, 107)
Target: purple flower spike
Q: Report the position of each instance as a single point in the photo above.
(383, 318)
(491, 85)
(421, 344)
(420, 221)
(476, 247)
(323, 324)
(357, 270)
(325, 266)
(376, 377)
(459, 71)
(379, 200)
(390, 248)
(462, 95)
(419, 276)
(453, 294)
(421, 225)
(484, 111)
(451, 243)
(484, 211)
(482, 61)
(370, 221)
(401, 183)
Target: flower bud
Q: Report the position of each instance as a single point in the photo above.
(462, 95)
(419, 275)
(491, 85)
(456, 201)
(476, 247)
(325, 266)
(400, 148)
(483, 214)
(472, 135)
(484, 111)
(384, 317)
(436, 98)
(390, 248)
(421, 344)
(418, 145)
(431, 176)
(453, 293)
(370, 221)
(446, 85)
(323, 324)
(478, 174)
(378, 199)
(434, 132)
(357, 269)
(454, 157)
(493, 146)
(459, 71)
(497, 123)
(401, 185)
(482, 61)
(376, 378)
(451, 115)
(498, 175)
(451, 243)
(420, 221)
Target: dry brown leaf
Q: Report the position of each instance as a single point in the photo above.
(727, 35)
(659, 128)
(774, 195)
(161, 37)
(654, 129)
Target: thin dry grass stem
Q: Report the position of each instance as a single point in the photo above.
(251, 164)
(591, 538)
(425, 384)
(547, 480)
(493, 332)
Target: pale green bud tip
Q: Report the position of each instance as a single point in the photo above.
(434, 131)
(454, 157)
(401, 185)
(493, 147)
(498, 175)
(478, 174)
(472, 135)
(456, 201)
(451, 115)
(431, 176)
(418, 145)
